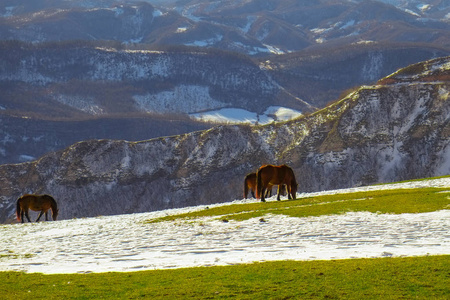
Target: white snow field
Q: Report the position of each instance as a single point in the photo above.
(127, 243)
(237, 115)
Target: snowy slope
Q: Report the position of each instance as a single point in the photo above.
(126, 243)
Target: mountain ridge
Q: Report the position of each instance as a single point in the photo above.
(251, 27)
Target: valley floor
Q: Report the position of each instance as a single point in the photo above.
(127, 243)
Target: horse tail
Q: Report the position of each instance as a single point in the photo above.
(18, 210)
(245, 188)
(259, 185)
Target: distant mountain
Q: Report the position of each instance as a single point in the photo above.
(57, 86)
(100, 79)
(253, 27)
(395, 130)
(76, 61)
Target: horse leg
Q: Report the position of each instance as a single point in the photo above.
(279, 192)
(26, 215)
(253, 194)
(263, 194)
(40, 215)
(46, 215)
(289, 191)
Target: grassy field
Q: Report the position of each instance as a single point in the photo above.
(384, 201)
(385, 278)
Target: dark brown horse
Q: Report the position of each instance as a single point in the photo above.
(250, 185)
(40, 203)
(269, 175)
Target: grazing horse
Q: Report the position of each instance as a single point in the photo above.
(40, 203)
(269, 175)
(250, 184)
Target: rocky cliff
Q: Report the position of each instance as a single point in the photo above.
(396, 130)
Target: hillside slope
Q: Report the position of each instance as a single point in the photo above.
(395, 130)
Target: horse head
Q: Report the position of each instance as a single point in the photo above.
(55, 213)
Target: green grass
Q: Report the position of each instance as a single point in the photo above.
(387, 278)
(385, 201)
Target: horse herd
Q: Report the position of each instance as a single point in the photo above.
(260, 184)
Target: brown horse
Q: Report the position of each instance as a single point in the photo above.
(269, 175)
(250, 185)
(40, 203)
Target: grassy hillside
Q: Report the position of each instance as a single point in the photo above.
(383, 201)
(386, 278)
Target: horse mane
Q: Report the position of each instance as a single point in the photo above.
(52, 200)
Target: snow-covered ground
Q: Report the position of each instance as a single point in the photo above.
(237, 115)
(127, 243)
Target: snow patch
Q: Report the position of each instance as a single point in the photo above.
(320, 40)
(157, 13)
(25, 158)
(8, 11)
(424, 7)
(181, 29)
(274, 50)
(238, 115)
(248, 26)
(282, 113)
(348, 24)
(364, 42)
(227, 115)
(207, 42)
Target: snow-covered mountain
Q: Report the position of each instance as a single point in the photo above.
(79, 79)
(115, 59)
(101, 80)
(252, 27)
(395, 130)
(56, 85)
